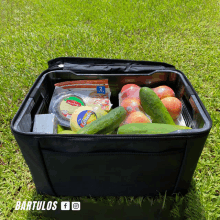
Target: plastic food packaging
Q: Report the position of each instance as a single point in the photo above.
(173, 106)
(180, 121)
(136, 117)
(85, 115)
(130, 100)
(133, 106)
(140, 119)
(131, 92)
(70, 95)
(45, 123)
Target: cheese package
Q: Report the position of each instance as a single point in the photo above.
(85, 115)
(70, 95)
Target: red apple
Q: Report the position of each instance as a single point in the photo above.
(137, 117)
(164, 91)
(173, 106)
(131, 105)
(130, 90)
(127, 86)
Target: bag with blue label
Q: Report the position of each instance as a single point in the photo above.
(69, 96)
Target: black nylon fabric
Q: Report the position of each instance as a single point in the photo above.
(128, 68)
(105, 62)
(96, 145)
(98, 65)
(112, 174)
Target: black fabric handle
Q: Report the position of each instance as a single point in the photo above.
(129, 68)
(78, 64)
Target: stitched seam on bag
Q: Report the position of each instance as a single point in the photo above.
(94, 138)
(117, 153)
(181, 168)
(46, 171)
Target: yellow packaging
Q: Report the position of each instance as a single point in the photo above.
(84, 115)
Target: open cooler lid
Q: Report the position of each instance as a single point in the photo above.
(98, 65)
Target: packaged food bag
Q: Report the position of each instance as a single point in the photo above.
(70, 95)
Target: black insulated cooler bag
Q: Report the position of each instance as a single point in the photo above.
(111, 165)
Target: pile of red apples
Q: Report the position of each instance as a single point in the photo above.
(130, 94)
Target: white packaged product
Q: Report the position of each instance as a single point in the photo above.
(45, 123)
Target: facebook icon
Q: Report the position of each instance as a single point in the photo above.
(65, 205)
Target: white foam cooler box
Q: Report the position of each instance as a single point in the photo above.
(111, 165)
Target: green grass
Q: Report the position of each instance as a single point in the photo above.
(182, 33)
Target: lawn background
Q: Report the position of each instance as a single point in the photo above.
(183, 33)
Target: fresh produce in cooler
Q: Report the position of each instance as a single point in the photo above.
(61, 128)
(149, 128)
(164, 91)
(129, 90)
(136, 117)
(66, 132)
(154, 107)
(135, 112)
(173, 106)
(131, 105)
(110, 121)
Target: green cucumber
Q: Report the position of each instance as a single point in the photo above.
(66, 132)
(110, 129)
(149, 128)
(111, 120)
(154, 107)
(61, 128)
